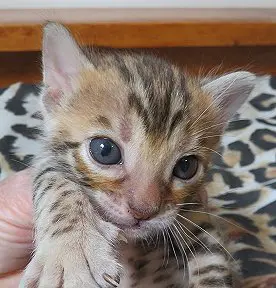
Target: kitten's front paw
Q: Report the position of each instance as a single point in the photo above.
(68, 265)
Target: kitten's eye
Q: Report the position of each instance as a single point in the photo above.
(186, 167)
(105, 151)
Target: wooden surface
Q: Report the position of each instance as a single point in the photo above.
(25, 66)
(20, 37)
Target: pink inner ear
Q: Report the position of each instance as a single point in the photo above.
(55, 95)
(56, 79)
(51, 98)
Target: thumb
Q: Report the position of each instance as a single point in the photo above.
(16, 222)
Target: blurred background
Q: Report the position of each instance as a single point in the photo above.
(198, 34)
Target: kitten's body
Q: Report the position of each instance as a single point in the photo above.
(200, 263)
(156, 116)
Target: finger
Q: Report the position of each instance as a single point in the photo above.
(10, 281)
(15, 222)
(16, 198)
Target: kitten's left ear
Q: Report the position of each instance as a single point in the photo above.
(230, 91)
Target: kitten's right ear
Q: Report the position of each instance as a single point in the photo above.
(230, 91)
(62, 61)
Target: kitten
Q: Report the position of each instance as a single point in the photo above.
(128, 140)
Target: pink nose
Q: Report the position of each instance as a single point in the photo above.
(143, 214)
(144, 199)
(139, 215)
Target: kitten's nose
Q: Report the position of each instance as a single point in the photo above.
(138, 215)
(143, 214)
(144, 200)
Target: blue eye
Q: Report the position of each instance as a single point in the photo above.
(186, 167)
(105, 151)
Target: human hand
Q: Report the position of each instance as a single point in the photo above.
(16, 224)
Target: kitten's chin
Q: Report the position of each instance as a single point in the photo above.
(142, 229)
(133, 230)
(146, 228)
(139, 231)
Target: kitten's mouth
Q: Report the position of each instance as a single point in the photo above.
(127, 225)
(133, 225)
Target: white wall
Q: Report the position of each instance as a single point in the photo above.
(37, 11)
(83, 15)
(20, 4)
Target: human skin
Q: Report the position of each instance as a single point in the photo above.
(16, 227)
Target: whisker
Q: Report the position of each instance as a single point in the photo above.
(143, 244)
(165, 244)
(168, 247)
(189, 203)
(151, 240)
(230, 121)
(189, 237)
(197, 132)
(147, 241)
(173, 248)
(204, 147)
(203, 230)
(183, 253)
(20, 162)
(218, 124)
(157, 240)
(214, 135)
(217, 216)
(196, 238)
(190, 251)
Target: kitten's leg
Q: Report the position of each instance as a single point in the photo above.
(212, 267)
(213, 271)
(70, 248)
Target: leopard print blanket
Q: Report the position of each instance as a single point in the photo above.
(242, 181)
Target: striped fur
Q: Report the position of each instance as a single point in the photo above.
(156, 114)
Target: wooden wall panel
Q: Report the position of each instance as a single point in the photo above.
(25, 66)
(26, 37)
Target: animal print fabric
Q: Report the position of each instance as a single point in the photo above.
(242, 180)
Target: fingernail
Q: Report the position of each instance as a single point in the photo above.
(110, 280)
(21, 283)
(121, 237)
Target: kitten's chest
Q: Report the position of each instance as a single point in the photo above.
(155, 267)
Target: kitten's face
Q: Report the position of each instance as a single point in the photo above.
(144, 136)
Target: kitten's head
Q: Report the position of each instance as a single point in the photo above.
(139, 131)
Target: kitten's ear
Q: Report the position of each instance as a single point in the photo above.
(62, 60)
(230, 91)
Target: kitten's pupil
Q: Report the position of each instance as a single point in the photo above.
(105, 151)
(186, 167)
